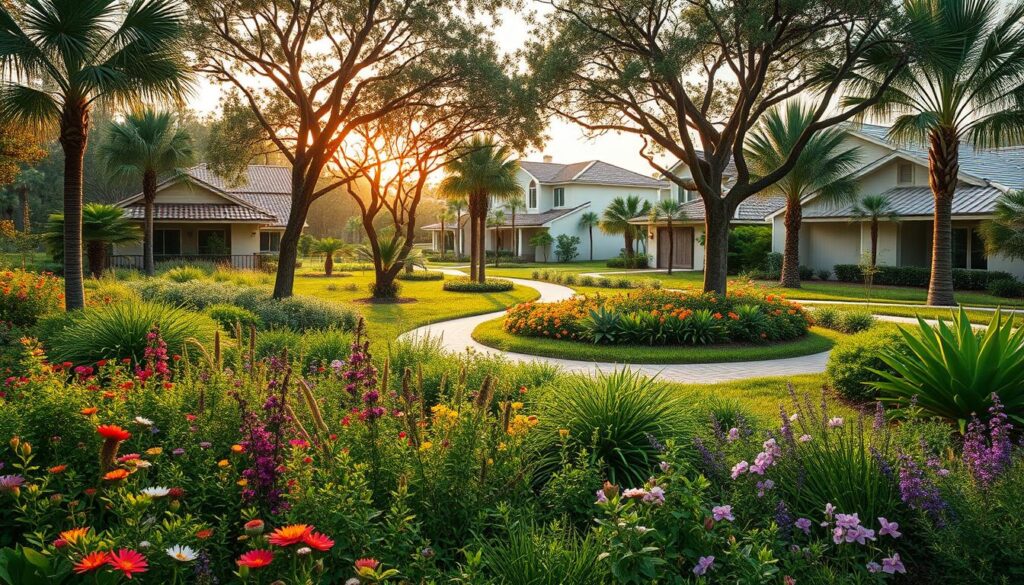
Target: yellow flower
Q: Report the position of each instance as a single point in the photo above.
(517, 406)
(520, 424)
(490, 461)
(223, 463)
(236, 448)
(242, 482)
(502, 446)
(426, 445)
(563, 433)
(154, 451)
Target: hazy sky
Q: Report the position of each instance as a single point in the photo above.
(567, 143)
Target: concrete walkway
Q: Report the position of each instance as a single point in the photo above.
(457, 335)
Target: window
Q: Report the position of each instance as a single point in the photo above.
(166, 242)
(979, 261)
(960, 237)
(684, 195)
(270, 241)
(214, 242)
(559, 196)
(533, 195)
(905, 173)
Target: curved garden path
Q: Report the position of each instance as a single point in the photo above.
(457, 335)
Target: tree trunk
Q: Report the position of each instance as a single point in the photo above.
(74, 136)
(874, 242)
(591, 230)
(473, 237)
(26, 212)
(628, 237)
(481, 273)
(97, 251)
(329, 264)
(149, 198)
(462, 242)
(671, 246)
(288, 253)
(496, 231)
(716, 247)
(943, 167)
(790, 277)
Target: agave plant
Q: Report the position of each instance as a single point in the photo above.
(954, 370)
(602, 325)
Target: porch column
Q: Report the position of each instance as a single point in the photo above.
(519, 240)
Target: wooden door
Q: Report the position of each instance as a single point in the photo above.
(683, 252)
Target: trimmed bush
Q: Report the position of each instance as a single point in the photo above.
(638, 261)
(421, 275)
(849, 370)
(300, 313)
(119, 331)
(228, 316)
(467, 285)
(826, 317)
(963, 278)
(1006, 288)
(196, 294)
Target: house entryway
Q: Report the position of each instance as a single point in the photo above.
(682, 253)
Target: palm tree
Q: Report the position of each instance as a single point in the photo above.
(823, 169)
(515, 204)
(354, 228)
(1005, 233)
(142, 147)
(965, 85)
(615, 219)
(102, 226)
(72, 55)
(496, 220)
(457, 206)
(480, 171)
(542, 240)
(670, 210)
(329, 247)
(587, 221)
(874, 208)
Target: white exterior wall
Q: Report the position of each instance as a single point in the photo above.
(888, 242)
(1000, 262)
(829, 244)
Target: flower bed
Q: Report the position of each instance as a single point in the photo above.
(653, 317)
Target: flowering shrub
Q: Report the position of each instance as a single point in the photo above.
(657, 317)
(27, 296)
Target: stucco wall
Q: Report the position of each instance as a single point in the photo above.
(829, 244)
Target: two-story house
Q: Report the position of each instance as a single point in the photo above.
(556, 196)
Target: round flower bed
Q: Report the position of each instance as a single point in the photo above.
(651, 317)
(467, 285)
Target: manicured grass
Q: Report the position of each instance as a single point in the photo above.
(492, 334)
(982, 317)
(429, 304)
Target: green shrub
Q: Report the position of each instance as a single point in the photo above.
(749, 247)
(105, 291)
(195, 294)
(186, 273)
(963, 278)
(806, 272)
(617, 418)
(1006, 287)
(26, 296)
(637, 261)
(119, 331)
(467, 285)
(855, 321)
(273, 342)
(421, 275)
(586, 280)
(952, 371)
(165, 266)
(854, 363)
(566, 247)
(320, 348)
(529, 555)
(824, 274)
(299, 312)
(228, 316)
(827, 317)
(623, 282)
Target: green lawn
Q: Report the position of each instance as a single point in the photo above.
(492, 334)
(982, 317)
(429, 302)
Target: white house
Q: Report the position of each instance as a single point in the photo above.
(199, 216)
(556, 196)
(831, 234)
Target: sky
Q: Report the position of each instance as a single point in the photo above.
(567, 142)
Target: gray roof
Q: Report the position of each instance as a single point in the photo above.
(1001, 165)
(753, 209)
(589, 172)
(257, 179)
(730, 168)
(279, 206)
(916, 201)
(199, 212)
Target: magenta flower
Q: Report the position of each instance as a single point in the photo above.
(889, 528)
(720, 513)
(9, 483)
(739, 469)
(803, 524)
(703, 565)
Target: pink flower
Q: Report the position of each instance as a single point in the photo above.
(893, 564)
(874, 567)
(720, 513)
(803, 524)
(889, 528)
(703, 564)
(739, 469)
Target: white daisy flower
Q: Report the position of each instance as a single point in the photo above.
(156, 491)
(142, 464)
(181, 553)
(143, 421)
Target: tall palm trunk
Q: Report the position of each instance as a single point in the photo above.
(474, 237)
(149, 196)
(943, 169)
(591, 230)
(627, 236)
(74, 136)
(97, 252)
(874, 242)
(481, 250)
(671, 245)
(26, 212)
(790, 277)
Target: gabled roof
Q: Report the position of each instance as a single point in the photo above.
(592, 172)
(523, 219)
(730, 169)
(200, 212)
(752, 210)
(916, 201)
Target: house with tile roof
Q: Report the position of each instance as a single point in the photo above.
(556, 196)
(198, 215)
(831, 233)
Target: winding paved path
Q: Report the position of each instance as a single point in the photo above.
(457, 335)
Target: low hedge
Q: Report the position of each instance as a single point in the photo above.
(963, 278)
(640, 261)
(573, 279)
(421, 275)
(849, 366)
(467, 285)
(842, 320)
(658, 317)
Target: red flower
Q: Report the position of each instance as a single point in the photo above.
(91, 562)
(289, 535)
(176, 493)
(370, 564)
(255, 559)
(113, 433)
(88, 411)
(128, 562)
(127, 385)
(57, 469)
(318, 541)
(254, 527)
(204, 533)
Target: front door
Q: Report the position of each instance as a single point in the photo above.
(683, 249)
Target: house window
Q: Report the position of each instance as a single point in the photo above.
(270, 241)
(533, 195)
(960, 237)
(559, 196)
(684, 195)
(214, 242)
(979, 261)
(166, 242)
(905, 173)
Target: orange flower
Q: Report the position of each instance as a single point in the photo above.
(317, 541)
(204, 533)
(88, 411)
(91, 562)
(57, 469)
(74, 535)
(255, 559)
(115, 475)
(128, 562)
(113, 433)
(289, 535)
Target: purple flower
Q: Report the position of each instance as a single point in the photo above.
(720, 513)
(178, 452)
(739, 469)
(803, 524)
(805, 438)
(874, 567)
(655, 496)
(835, 422)
(889, 528)
(664, 466)
(734, 435)
(703, 565)
(987, 449)
(917, 490)
(205, 444)
(601, 498)
(893, 564)
(764, 486)
(10, 482)
(830, 510)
